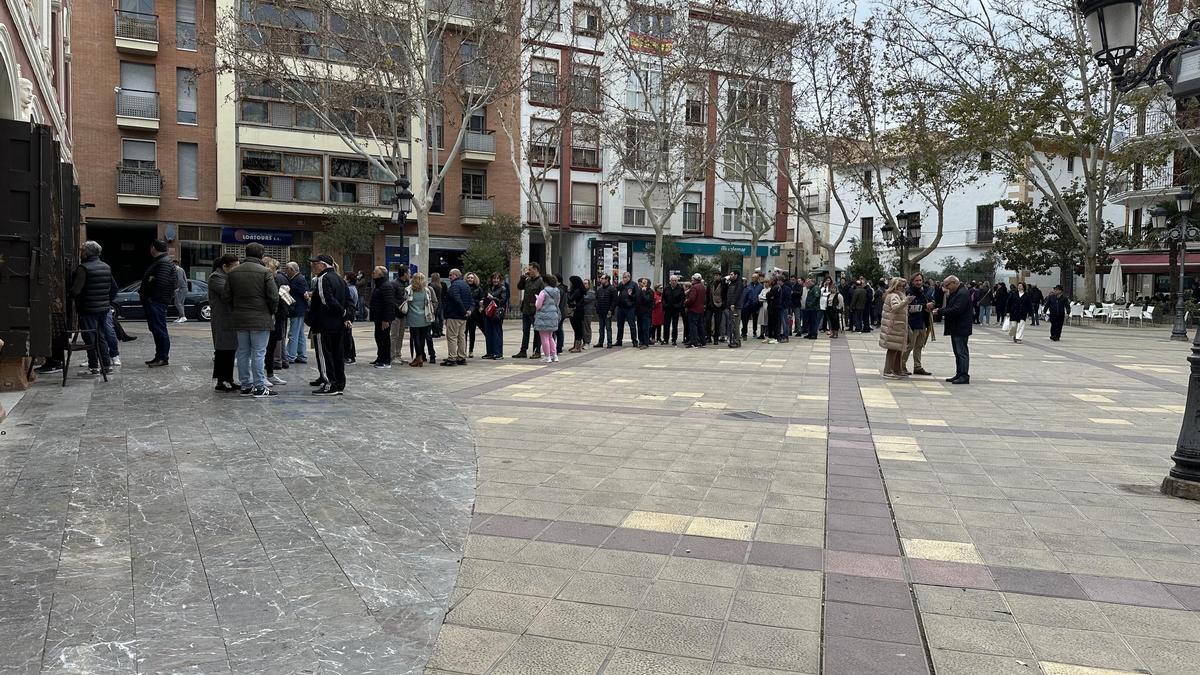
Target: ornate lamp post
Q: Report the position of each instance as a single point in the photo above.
(1113, 29)
(1178, 236)
(904, 234)
(403, 205)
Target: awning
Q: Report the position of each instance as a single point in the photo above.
(1145, 263)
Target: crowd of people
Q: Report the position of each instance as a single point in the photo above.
(266, 313)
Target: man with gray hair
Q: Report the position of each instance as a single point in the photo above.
(957, 317)
(296, 350)
(93, 288)
(458, 304)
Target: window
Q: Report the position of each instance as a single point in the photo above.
(477, 121)
(984, 223)
(696, 110)
(635, 216)
(543, 82)
(543, 142)
(1136, 222)
(544, 14)
(185, 96)
(276, 103)
(587, 19)
(138, 96)
(640, 142)
(1071, 164)
(140, 6)
(747, 106)
(585, 147)
(138, 154)
(735, 220)
(438, 205)
(585, 86)
(695, 154)
(474, 184)
(985, 161)
(357, 181)
(692, 218)
(282, 176)
(138, 77)
(188, 171)
(867, 178)
(643, 90)
(866, 230)
(747, 159)
(732, 221)
(185, 25)
(288, 28)
(437, 127)
(585, 204)
(644, 21)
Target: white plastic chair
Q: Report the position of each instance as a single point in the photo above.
(1134, 313)
(1076, 312)
(1148, 314)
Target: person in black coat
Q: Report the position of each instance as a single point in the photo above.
(1000, 299)
(1056, 306)
(606, 305)
(329, 314)
(672, 300)
(495, 305)
(1035, 305)
(475, 318)
(575, 295)
(383, 312)
(276, 343)
(157, 293)
(643, 302)
(94, 288)
(958, 318)
(1019, 309)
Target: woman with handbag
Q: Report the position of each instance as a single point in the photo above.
(495, 303)
(418, 310)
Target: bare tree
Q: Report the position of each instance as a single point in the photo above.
(1020, 81)
(398, 81)
(667, 60)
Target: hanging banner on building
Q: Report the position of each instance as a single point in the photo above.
(239, 235)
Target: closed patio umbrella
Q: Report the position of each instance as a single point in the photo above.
(1114, 283)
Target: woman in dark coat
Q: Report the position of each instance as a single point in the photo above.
(1019, 309)
(495, 301)
(224, 337)
(575, 295)
(1000, 300)
(643, 303)
(475, 317)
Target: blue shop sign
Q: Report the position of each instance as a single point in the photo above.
(240, 235)
(395, 255)
(701, 248)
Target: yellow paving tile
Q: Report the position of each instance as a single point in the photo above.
(658, 522)
(528, 394)
(497, 420)
(1002, 380)
(806, 431)
(1093, 398)
(1052, 668)
(651, 397)
(811, 397)
(688, 394)
(513, 366)
(927, 422)
(721, 528)
(620, 381)
(936, 549)
(1110, 420)
(710, 406)
(1121, 408)
(878, 397)
(1104, 391)
(654, 365)
(901, 456)
(770, 365)
(896, 440)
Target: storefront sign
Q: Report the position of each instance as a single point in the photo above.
(700, 248)
(238, 235)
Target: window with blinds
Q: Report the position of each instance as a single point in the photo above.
(185, 25)
(188, 174)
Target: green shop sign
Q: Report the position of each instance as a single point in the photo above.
(698, 248)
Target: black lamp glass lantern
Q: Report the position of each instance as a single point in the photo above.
(889, 233)
(403, 197)
(1183, 201)
(1158, 218)
(1112, 26)
(914, 227)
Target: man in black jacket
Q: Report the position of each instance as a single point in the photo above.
(1035, 304)
(672, 301)
(93, 289)
(1057, 306)
(157, 292)
(958, 317)
(714, 311)
(383, 313)
(734, 288)
(626, 309)
(606, 304)
(329, 314)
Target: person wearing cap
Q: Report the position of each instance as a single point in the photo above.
(694, 302)
(329, 313)
(1057, 306)
(157, 292)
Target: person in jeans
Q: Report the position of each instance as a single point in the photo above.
(157, 292)
(530, 284)
(297, 351)
(695, 302)
(398, 325)
(957, 318)
(275, 357)
(606, 304)
(493, 325)
(181, 289)
(252, 296)
(627, 309)
(457, 301)
(383, 313)
(919, 324)
(734, 289)
(419, 317)
(93, 288)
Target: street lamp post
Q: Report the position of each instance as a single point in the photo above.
(904, 234)
(402, 207)
(1178, 236)
(1113, 28)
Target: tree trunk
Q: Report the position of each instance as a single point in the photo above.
(657, 270)
(422, 258)
(548, 238)
(754, 250)
(1089, 279)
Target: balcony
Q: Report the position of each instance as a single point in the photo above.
(138, 186)
(585, 215)
(1157, 122)
(137, 109)
(693, 221)
(535, 218)
(479, 146)
(463, 12)
(543, 93)
(1151, 183)
(981, 237)
(475, 209)
(136, 33)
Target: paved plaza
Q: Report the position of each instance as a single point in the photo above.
(773, 509)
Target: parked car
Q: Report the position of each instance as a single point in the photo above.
(195, 305)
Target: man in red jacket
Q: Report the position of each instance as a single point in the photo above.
(694, 303)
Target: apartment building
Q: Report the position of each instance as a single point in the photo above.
(598, 218)
(210, 163)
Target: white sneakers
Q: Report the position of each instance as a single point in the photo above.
(116, 362)
(182, 319)
(276, 380)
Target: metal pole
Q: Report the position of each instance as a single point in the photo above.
(1179, 330)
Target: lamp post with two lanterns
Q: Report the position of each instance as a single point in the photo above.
(1112, 26)
(1178, 236)
(905, 234)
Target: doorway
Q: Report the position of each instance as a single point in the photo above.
(126, 248)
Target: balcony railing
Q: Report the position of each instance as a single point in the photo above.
(137, 103)
(468, 9)
(1150, 180)
(551, 211)
(478, 207)
(545, 93)
(139, 182)
(693, 221)
(137, 26)
(480, 141)
(585, 215)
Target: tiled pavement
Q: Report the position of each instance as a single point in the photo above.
(773, 509)
(782, 509)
